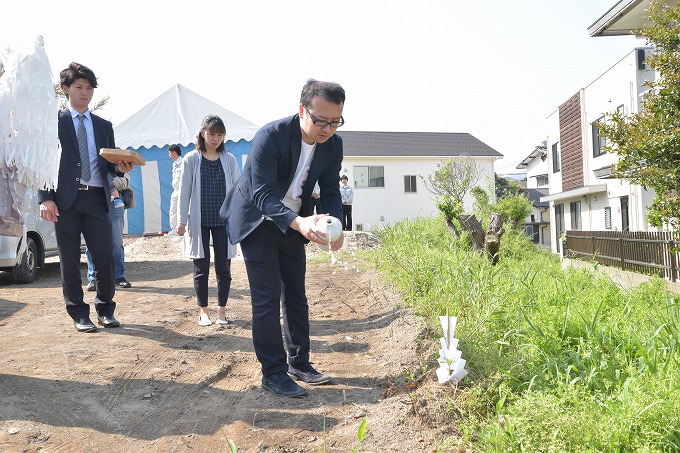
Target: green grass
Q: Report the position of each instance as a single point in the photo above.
(558, 360)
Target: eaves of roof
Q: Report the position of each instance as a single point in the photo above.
(624, 18)
(574, 193)
(537, 152)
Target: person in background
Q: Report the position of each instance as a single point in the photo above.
(208, 172)
(316, 199)
(269, 213)
(80, 204)
(117, 216)
(175, 154)
(347, 194)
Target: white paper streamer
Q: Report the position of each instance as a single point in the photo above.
(451, 364)
(29, 144)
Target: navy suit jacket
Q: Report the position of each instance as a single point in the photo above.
(268, 172)
(69, 165)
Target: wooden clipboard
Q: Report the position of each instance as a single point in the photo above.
(116, 155)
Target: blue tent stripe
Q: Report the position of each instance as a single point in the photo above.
(135, 216)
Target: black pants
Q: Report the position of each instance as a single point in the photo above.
(347, 217)
(276, 265)
(316, 205)
(222, 267)
(87, 216)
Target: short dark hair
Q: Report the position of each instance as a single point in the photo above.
(175, 149)
(76, 71)
(214, 124)
(330, 91)
(344, 177)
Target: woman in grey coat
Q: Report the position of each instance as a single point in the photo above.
(208, 173)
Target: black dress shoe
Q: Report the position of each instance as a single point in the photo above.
(307, 373)
(123, 283)
(108, 321)
(280, 384)
(91, 285)
(84, 325)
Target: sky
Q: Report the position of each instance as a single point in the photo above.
(495, 69)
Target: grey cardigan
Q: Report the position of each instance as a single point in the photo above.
(189, 211)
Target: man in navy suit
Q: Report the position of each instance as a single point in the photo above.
(80, 204)
(269, 211)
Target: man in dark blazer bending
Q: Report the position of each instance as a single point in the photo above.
(80, 203)
(269, 212)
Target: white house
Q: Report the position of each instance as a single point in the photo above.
(537, 225)
(583, 195)
(386, 169)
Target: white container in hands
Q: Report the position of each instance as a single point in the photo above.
(332, 227)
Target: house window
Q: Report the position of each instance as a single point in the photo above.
(542, 180)
(369, 176)
(608, 217)
(575, 211)
(556, 157)
(410, 184)
(559, 225)
(599, 142)
(625, 221)
(621, 109)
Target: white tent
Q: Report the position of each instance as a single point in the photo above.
(175, 117)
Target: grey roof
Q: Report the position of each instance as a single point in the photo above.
(401, 144)
(534, 195)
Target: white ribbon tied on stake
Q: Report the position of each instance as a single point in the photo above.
(451, 364)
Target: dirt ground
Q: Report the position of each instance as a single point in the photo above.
(162, 383)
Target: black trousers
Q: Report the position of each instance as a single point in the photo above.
(222, 267)
(347, 217)
(276, 265)
(316, 205)
(87, 216)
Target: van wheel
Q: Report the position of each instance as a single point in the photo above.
(27, 270)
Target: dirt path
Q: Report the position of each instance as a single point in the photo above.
(162, 383)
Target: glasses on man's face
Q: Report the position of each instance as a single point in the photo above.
(322, 124)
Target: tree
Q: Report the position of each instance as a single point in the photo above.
(454, 178)
(449, 185)
(648, 143)
(514, 208)
(506, 187)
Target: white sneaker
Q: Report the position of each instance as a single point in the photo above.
(204, 320)
(221, 322)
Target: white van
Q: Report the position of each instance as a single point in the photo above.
(41, 243)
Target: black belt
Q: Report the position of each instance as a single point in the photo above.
(86, 187)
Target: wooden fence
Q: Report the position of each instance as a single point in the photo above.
(643, 252)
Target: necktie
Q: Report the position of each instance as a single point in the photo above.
(84, 152)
